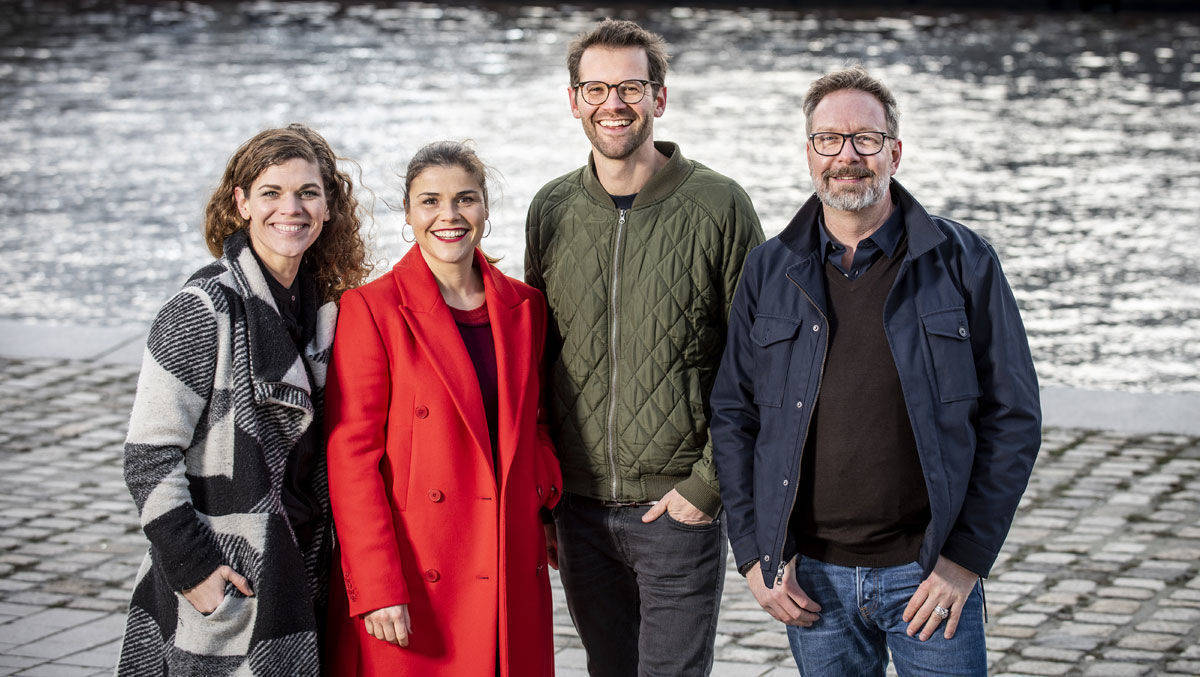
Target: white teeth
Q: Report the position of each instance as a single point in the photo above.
(288, 229)
(450, 234)
(615, 123)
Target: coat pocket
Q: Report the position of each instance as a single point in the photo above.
(773, 342)
(949, 340)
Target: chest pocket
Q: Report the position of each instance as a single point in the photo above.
(949, 340)
(773, 339)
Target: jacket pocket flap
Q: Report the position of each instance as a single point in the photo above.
(951, 323)
(768, 329)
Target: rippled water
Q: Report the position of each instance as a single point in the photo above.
(1069, 140)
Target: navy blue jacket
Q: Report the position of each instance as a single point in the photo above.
(965, 370)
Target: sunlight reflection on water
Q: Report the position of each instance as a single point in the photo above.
(1067, 139)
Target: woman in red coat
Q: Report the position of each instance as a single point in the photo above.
(439, 470)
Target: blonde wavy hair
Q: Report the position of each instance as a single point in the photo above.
(337, 261)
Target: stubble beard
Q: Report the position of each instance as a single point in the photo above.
(617, 150)
(852, 198)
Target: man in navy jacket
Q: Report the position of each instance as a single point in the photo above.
(876, 414)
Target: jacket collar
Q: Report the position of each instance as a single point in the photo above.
(801, 236)
(661, 185)
(433, 327)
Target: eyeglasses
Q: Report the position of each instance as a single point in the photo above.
(628, 91)
(864, 143)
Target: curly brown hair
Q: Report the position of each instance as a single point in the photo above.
(337, 261)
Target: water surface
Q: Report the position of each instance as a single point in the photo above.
(1068, 140)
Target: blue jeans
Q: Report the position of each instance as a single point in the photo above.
(862, 612)
(644, 597)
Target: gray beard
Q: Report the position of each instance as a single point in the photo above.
(852, 201)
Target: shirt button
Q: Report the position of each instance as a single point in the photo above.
(962, 331)
(816, 327)
(799, 404)
(766, 558)
(785, 483)
(432, 575)
(422, 411)
(436, 496)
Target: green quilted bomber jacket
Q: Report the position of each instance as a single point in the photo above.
(639, 301)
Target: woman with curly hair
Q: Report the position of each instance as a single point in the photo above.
(225, 456)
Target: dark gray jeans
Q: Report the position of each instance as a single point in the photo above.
(644, 597)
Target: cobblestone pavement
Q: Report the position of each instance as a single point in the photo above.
(1100, 575)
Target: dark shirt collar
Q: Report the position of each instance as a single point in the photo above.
(886, 237)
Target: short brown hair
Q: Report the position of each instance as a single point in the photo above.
(617, 33)
(855, 77)
(337, 260)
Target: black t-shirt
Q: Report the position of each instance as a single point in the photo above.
(623, 201)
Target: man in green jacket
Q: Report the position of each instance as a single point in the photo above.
(638, 253)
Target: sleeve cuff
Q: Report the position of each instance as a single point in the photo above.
(969, 555)
(745, 568)
(700, 494)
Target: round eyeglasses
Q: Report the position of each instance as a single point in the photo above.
(595, 92)
(864, 143)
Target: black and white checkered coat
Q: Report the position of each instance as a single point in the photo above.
(222, 399)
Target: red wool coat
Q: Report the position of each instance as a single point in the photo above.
(422, 516)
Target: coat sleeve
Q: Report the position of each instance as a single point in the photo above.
(174, 393)
(742, 233)
(735, 421)
(356, 410)
(1008, 422)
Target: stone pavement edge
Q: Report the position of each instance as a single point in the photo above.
(1100, 574)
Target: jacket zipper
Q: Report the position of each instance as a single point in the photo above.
(612, 351)
(807, 426)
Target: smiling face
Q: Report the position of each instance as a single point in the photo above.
(849, 181)
(446, 210)
(286, 208)
(617, 129)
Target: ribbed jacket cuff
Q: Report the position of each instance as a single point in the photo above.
(700, 494)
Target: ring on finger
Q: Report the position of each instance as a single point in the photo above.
(941, 612)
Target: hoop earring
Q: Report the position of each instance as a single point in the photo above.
(487, 231)
(414, 237)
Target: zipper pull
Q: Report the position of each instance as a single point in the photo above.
(621, 218)
(779, 575)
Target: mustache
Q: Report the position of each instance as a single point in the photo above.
(848, 172)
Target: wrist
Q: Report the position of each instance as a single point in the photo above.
(744, 569)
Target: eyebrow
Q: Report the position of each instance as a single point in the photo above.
(434, 193)
(271, 186)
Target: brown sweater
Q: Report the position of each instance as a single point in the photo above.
(862, 498)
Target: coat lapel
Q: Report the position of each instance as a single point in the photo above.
(428, 316)
(509, 315)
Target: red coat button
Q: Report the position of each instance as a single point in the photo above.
(432, 575)
(436, 496)
(422, 411)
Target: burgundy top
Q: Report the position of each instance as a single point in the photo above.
(476, 333)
